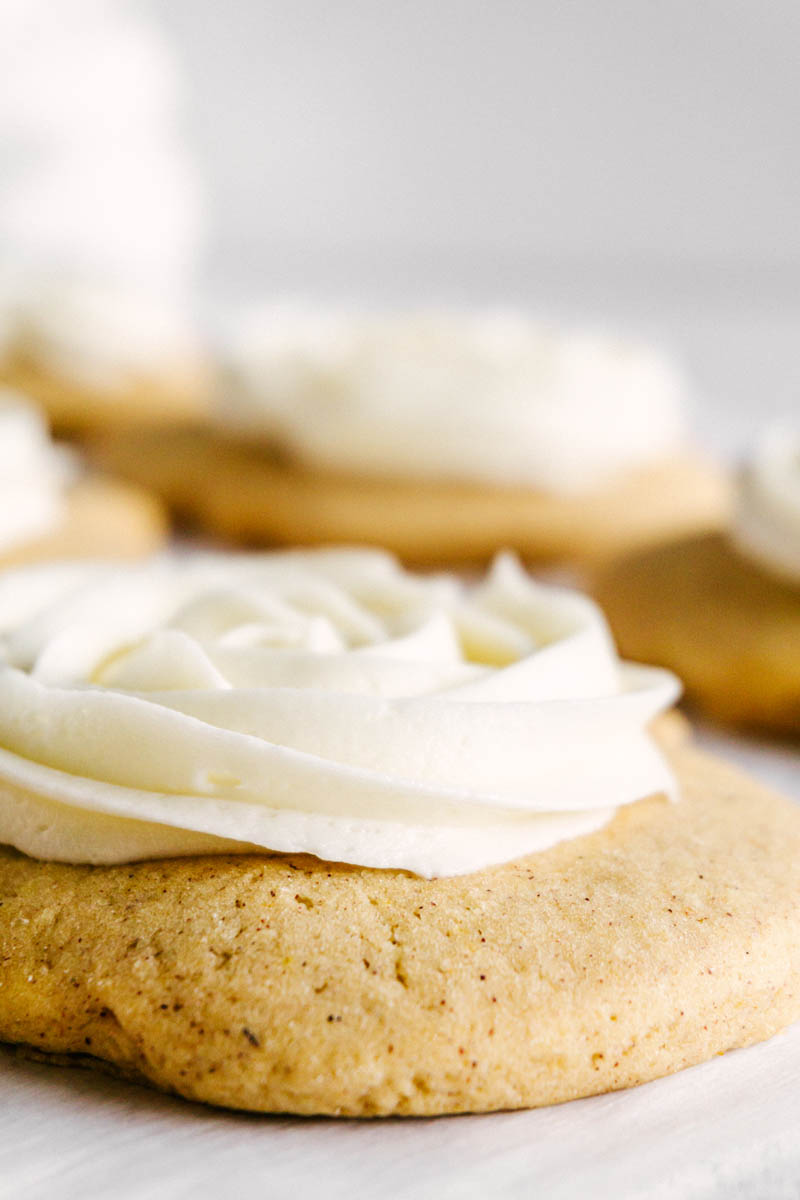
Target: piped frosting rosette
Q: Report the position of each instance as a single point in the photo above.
(324, 702)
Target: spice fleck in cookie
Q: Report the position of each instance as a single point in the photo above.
(724, 610)
(440, 436)
(320, 836)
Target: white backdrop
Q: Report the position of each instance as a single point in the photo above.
(630, 160)
(582, 128)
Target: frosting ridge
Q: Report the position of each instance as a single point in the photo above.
(323, 702)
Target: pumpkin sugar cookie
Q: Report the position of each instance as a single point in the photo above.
(101, 357)
(441, 437)
(724, 610)
(325, 837)
(252, 497)
(101, 221)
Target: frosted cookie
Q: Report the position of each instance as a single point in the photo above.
(440, 437)
(724, 610)
(426, 856)
(50, 509)
(100, 218)
(99, 356)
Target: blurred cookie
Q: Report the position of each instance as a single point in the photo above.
(102, 518)
(101, 219)
(724, 610)
(102, 357)
(49, 508)
(250, 496)
(442, 436)
(730, 630)
(284, 984)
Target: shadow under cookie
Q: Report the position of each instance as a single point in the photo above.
(728, 628)
(249, 496)
(280, 983)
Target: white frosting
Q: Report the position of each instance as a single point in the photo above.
(97, 190)
(33, 474)
(101, 335)
(324, 702)
(494, 397)
(767, 526)
(56, 72)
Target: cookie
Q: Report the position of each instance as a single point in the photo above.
(101, 222)
(280, 983)
(103, 518)
(97, 355)
(51, 508)
(730, 628)
(249, 496)
(80, 407)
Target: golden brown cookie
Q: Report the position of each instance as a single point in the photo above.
(729, 629)
(282, 983)
(243, 494)
(78, 408)
(104, 519)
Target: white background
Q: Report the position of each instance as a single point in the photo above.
(632, 162)
(652, 132)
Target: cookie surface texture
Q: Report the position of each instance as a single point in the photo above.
(247, 496)
(729, 629)
(286, 984)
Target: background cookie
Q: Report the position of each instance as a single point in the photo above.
(103, 519)
(282, 983)
(728, 628)
(79, 408)
(246, 495)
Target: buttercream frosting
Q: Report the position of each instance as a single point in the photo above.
(102, 334)
(324, 702)
(33, 474)
(767, 525)
(100, 203)
(494, 398)
(95, 177)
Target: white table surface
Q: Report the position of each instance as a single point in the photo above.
(727, 1129)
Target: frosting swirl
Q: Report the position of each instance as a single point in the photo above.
(33, 474)
(323, 702)
(494, 398)
(767, 526)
